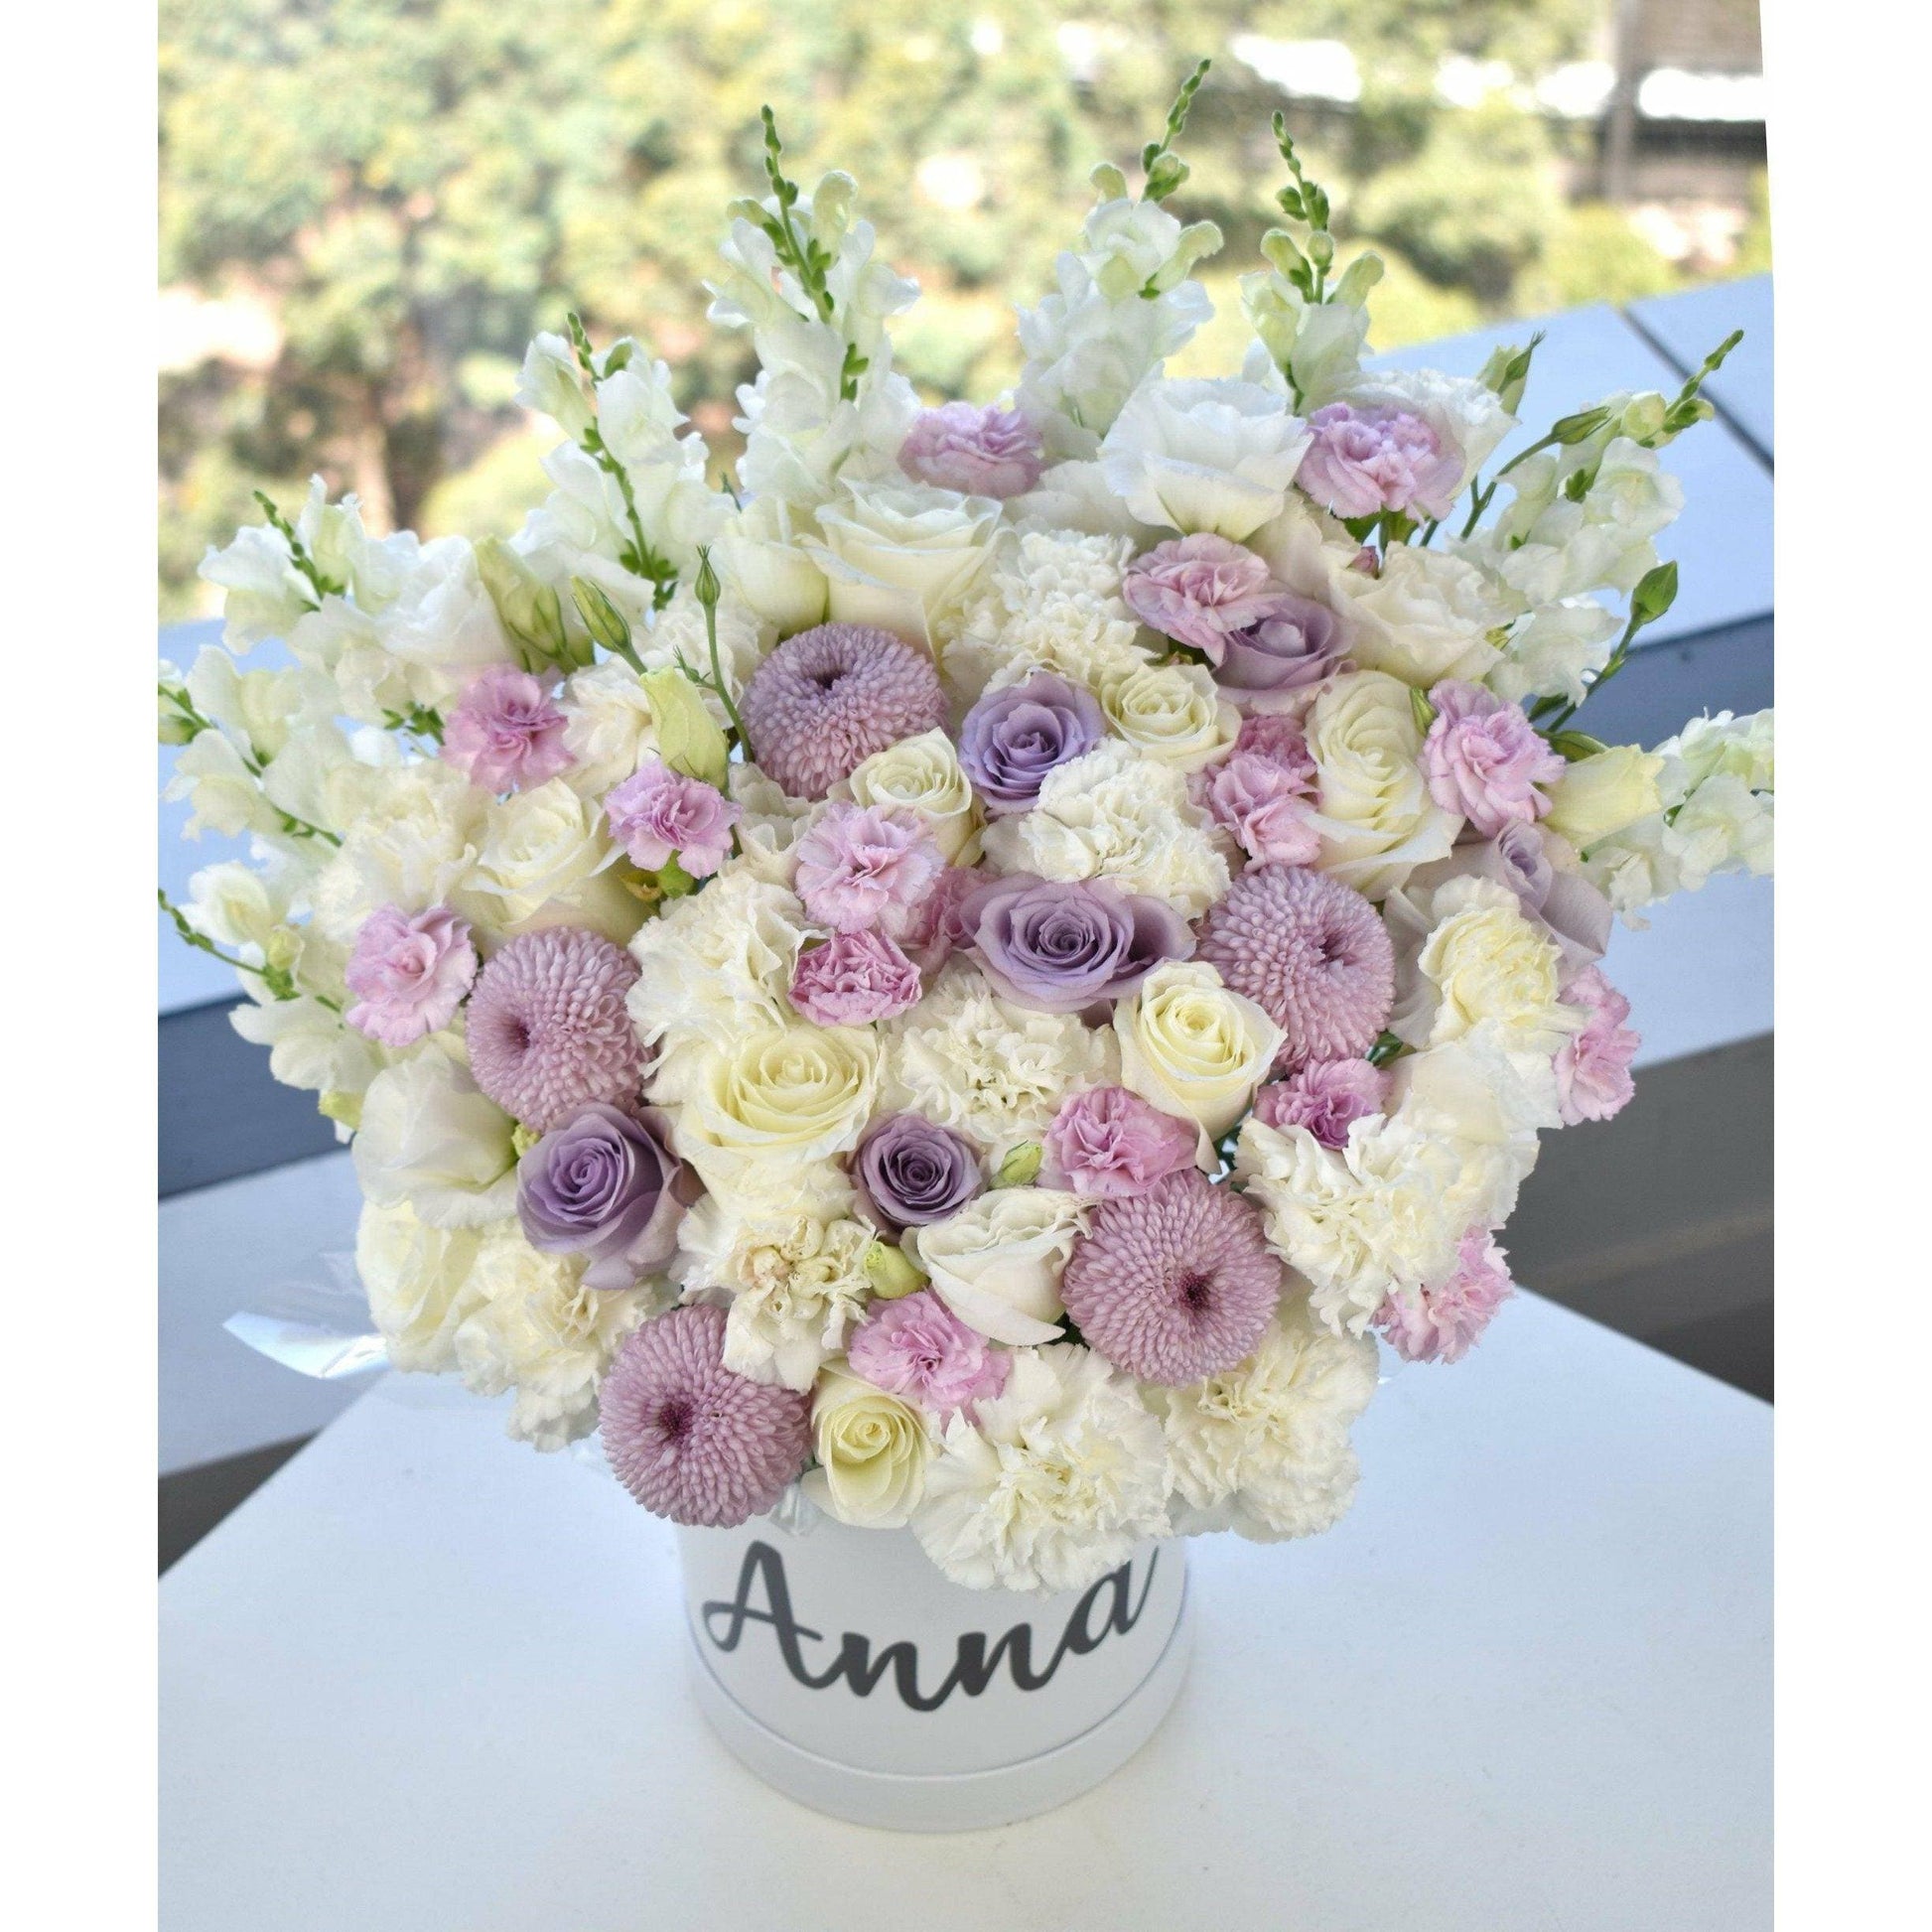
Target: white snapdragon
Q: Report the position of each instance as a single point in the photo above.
(1205, 454)
(1554, 651)
(1064, 1473)
(993, 1073)
(1116, 815)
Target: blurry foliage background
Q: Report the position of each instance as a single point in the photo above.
(368, 205)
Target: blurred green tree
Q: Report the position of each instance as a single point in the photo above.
(368, 205)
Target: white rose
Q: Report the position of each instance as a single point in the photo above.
(1174, 713)
(872, 1452)
(1550, 650)
(997, 1263)
(1424, 616)
(431, 1137)
(544, 860)
(920, 775)
(779, 1097)
(1377, 820)
(902, 556)
(417, 1277)
(760, 556)
(1194, 1047)
(1213, 455)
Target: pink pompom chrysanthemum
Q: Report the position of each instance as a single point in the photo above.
(1312, 953)
(827, 699)
(1443, 1323)
(1175, 1284)
(690, 1439)
(548, 1030)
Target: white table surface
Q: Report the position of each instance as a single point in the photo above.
(428, 1681)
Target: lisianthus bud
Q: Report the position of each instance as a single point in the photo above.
(892, 1271)
(689, 739)
(602, 619)
(530, 609)
(1021, 1166)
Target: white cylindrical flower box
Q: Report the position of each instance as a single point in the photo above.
(844, 1669)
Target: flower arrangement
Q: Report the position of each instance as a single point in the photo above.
(968, 974)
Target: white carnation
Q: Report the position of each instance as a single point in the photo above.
(418, 1280)
(1116, 815)
(1263, 1449)
(995, 1072)
(1065, 1473)
(413, 847)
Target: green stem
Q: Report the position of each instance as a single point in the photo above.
(299, 551)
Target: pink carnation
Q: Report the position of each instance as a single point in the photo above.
(1278, 738)
(505, 734)
(1264, 805)
(1594, 1066)
(988, 452)
(936, 926)
(864, 868)
(1483, 759)
(852, 979)
(918, 1348)
(1325, 1096)
(1109, 1143)
(1197, 589)
(1366, 461)
(657, 814)
(1443, 1323)
(408, 973)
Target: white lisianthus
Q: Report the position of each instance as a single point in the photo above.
(1549, 652)
(545, 860)
(714, 966)
(1064, 1474)
(902, 556)
(1385, 1209)
(1194, 1047)
(414, 846)
(760, 556)
(432, 1138)
(1173, 714)
(418, 1280)
(1480, 960)
(993, 1073)
(1377, 820)
(1117, 815)
(872, 1451)
(1602, 794)
(920, 775)
(1263, 1449)
(1425, 615)
(777, 1099)
(537, 1329)
(795, 1275)
(996, 1262)
(1212, 454)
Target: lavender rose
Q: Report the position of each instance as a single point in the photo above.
(914, 1171)
(1064, 946)
(989, 452)
(1293, 643)
(1014, 737)
(606, 1186)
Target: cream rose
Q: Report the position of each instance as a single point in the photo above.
(902, 556)
(920, 775)
(872, 1452)
(760, 556)
(431, 1137)
(1600, 795)
(782, 1095)
(1212, 454)
(1377, 820)
(997, 1263)
(1172, 713)
(1191, 1046)
(546, 861)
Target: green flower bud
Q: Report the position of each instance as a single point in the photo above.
(523, 1139)
(1321, 248)
(602, 619)
(1109, 183)
(1580, 428)
(530, 611)
(689, 739)
(1421, 710)
(892, 1271)
(1643, 417)
(1021, 1166)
